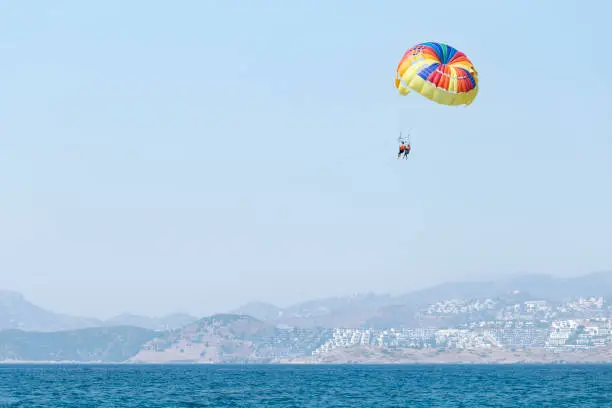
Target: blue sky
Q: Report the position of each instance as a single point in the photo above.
(196, 156)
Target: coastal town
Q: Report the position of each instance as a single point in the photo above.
(584, 323)
(480, 326)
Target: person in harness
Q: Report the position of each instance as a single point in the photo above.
(405, 149)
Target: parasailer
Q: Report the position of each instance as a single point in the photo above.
(440, 73)
(404, 147)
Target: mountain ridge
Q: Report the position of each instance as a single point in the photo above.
(370, 308)
(360, 310)
(17, 312)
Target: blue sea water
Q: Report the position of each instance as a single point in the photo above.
(319, 386)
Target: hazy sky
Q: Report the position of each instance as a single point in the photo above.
(192, 156)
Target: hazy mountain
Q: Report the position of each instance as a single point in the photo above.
(170, 322)
(372, 310)
(349, 311)
(240, 337)
(106, 344)
(558, 289)
(18, 313)
(538, 286)
(259, 310)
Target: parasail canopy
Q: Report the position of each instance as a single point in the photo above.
(439, 72)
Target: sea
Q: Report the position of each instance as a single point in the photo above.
(320, 386)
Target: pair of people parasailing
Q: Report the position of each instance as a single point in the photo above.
(404, 147)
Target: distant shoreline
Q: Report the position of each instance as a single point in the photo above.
(420, 363)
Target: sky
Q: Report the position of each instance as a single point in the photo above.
(194, 156)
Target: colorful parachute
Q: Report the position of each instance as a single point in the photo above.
(439, 72)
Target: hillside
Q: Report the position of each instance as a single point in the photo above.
(377, 355)
(109, 344)
(229, 338)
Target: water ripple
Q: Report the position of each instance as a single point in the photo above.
(306, 386)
